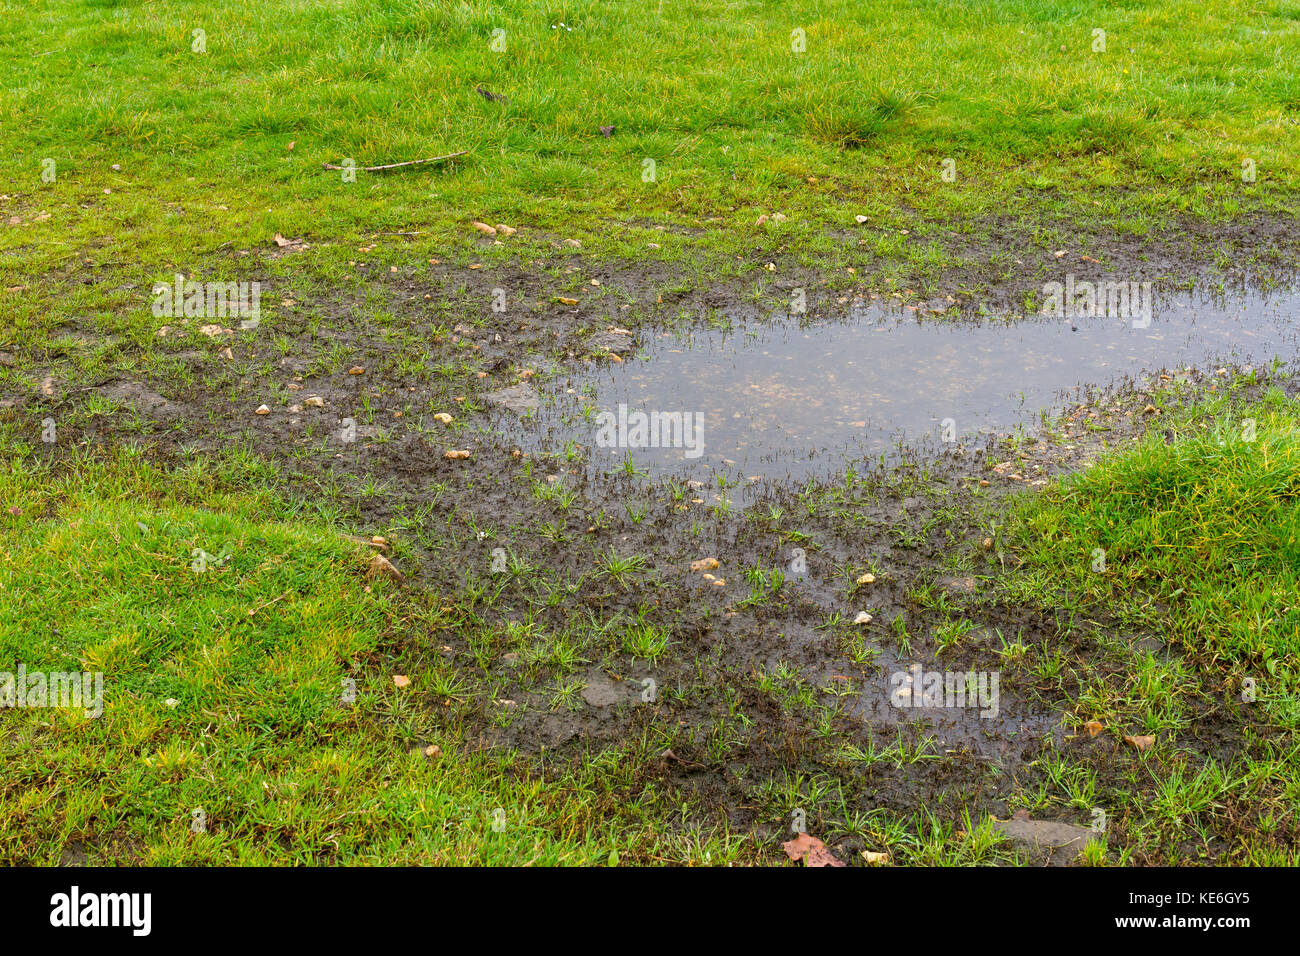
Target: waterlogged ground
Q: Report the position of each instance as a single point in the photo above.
(547, 583)
(775, 400)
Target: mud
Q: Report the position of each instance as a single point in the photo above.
(746, 697)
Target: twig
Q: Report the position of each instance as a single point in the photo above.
(411, 162)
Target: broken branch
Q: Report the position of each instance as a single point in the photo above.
(410, 162)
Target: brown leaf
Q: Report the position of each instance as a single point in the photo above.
(1093, 727)
(820, 856)
(811, 850)
(564, 300)
(798, 848)
(401, 680)
(380, 566)
(1143, 742)
(281, 241)
(457, 454)
(874, 859)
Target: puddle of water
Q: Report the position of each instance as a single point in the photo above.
(780, 401)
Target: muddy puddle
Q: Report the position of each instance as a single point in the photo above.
(769, 401)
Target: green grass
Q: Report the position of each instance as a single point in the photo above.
(1195, 539)
(1039, 125)
(223, 693)
(1189, 537)
(1050, 140)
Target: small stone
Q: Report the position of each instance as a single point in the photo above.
(314, 401)
(704, 564)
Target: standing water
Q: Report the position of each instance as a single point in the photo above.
(780, 400)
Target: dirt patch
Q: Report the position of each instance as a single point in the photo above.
(565, 597)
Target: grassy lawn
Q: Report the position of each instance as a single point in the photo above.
(182, 513)
(226, 145)
(1191, 536)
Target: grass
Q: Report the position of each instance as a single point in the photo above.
(223, 694)
(1196, 538)
(226, 611)
(1189, 537)
(225, 146)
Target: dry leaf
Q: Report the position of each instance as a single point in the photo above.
(565, 301)
(875, 859)
(1143, 742)
(1093, 727)
(484, 228)
(456, 454)
(281, 241)
(401, 680)
(704, 564)
(380, 566)
(811, 850)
